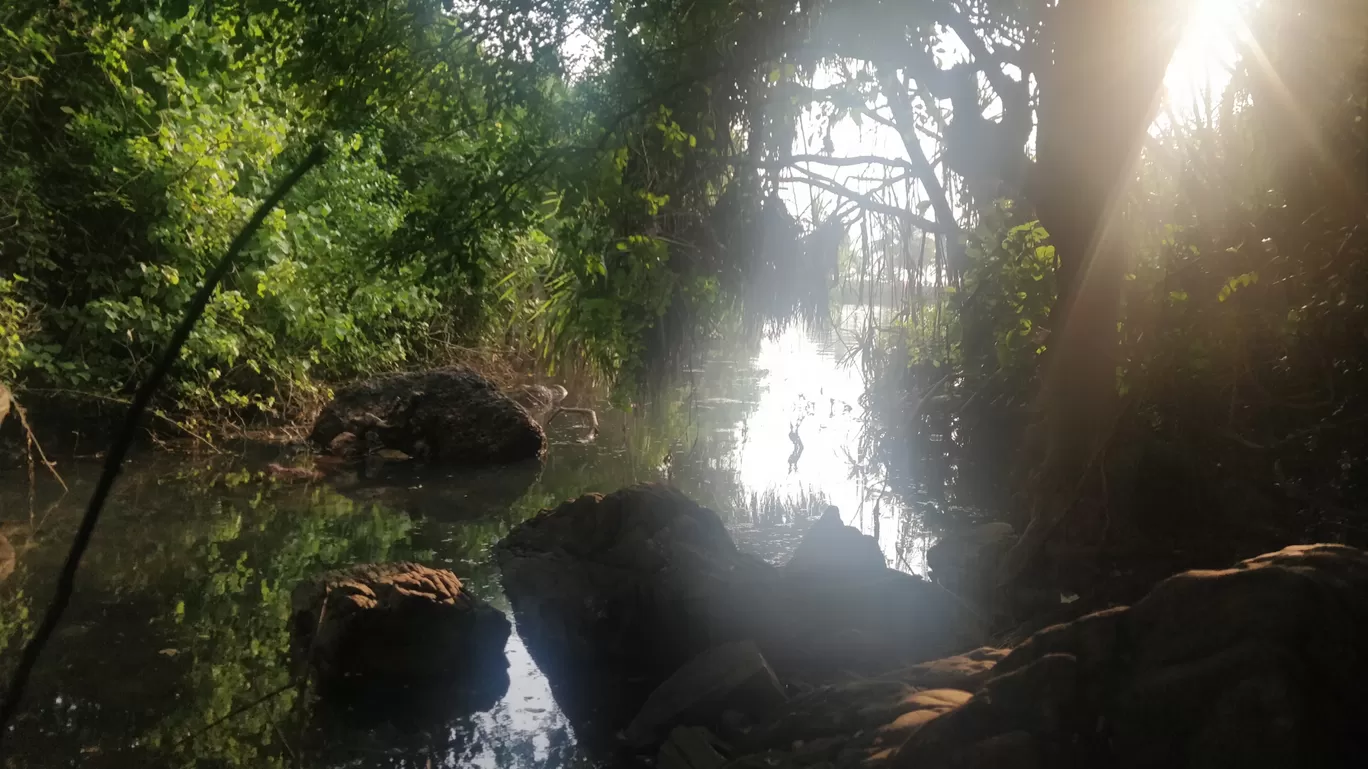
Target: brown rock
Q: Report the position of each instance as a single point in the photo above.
(293, 474)
(964, 671)
(1259, 666)
(395, 623)
(346, 445)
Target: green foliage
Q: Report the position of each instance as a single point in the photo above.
(13, 314)
(1009, 290)
(1242, 326)
(474, 195)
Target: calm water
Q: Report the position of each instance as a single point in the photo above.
(174, 651)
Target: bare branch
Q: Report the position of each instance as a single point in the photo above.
(857, 160)
(870, 203)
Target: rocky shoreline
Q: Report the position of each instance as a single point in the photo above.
(666, 645)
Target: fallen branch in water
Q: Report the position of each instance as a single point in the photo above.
(124, 439)
(9, 403)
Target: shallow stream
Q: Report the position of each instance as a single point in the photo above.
(175, 649)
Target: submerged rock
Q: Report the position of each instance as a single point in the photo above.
(292, 474)
(453, 416)
(395, 626)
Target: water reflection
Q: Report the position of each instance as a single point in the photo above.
(804, 384)
(175, 650)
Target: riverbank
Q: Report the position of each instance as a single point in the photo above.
(67, 423)
(728, 662)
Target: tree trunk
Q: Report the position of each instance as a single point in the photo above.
(1098, 96)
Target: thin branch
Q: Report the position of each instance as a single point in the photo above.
(33, 441)
(868, 202)
(901, 107)
(855, 160)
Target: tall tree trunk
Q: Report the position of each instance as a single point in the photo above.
(1099, 90)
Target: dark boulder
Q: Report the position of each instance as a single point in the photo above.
(1261, 665)
(966, 562)
(641, 580)
(637, 583)
(400, 627)
(452, 415)
(835, 549)
(849, 612)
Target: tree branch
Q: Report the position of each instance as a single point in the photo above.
(868, 202)
(901, 107)
(856, 160)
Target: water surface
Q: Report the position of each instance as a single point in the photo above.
(174, 651)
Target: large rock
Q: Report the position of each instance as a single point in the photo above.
(1262, 665)
(639, 582)
(449, 415)
(397, 626)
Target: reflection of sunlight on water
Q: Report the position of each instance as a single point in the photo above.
(804, 387)
(526, 719)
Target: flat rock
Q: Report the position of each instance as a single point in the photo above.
(732, 677)
(690, 747)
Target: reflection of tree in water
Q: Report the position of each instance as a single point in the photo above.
(179, 630)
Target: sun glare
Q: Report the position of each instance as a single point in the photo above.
(1202, 64)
